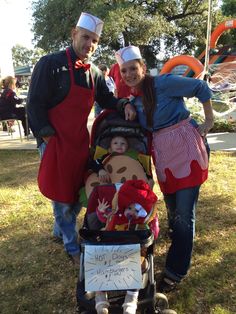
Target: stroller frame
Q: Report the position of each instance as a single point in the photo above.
(149, 300)
(107, 124)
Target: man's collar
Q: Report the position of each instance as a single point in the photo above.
(74, 57)
(73, 54)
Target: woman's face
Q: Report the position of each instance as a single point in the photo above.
(132, 72)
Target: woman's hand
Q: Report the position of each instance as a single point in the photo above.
(130, 112)
(205, 127)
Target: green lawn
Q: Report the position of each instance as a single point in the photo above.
(37, 277)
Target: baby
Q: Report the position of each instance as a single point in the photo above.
(118, 145)
(127, 206)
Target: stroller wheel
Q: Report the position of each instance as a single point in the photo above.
(82, 310)
(159, 305)
(161, 301)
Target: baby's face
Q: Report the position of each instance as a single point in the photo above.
(118, 145)
(131, 212)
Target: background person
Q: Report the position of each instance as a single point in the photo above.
(61, 94)
(110, 84)
(180, 154)
(122, 89)
(8, 102)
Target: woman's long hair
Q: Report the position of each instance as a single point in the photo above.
(148, 97)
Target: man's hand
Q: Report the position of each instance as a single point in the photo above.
(46, 138)
(130, 112)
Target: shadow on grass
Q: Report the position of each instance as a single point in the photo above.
(36, 276)
(18, 167)
(215, 213)
(208, 288)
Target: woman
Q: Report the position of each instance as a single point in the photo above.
(180, 154)
(8, 102)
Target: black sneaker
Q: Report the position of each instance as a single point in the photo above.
(57, 240)
(166, 284)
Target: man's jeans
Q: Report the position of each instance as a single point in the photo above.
(181, 215)
(65, 220)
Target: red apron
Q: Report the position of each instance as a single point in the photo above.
(65, 158)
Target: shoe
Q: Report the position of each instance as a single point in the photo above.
(57, 240)
(131, 302)
(75, 260)
(166, 284)
(102, 303)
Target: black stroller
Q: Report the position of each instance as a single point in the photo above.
(149, 301)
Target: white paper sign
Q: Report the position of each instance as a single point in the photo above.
(112, 267)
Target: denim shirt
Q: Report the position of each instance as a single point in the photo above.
(170, 91)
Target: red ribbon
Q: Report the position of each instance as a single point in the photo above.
(79, 64)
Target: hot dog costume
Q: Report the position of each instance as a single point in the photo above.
(120, 197)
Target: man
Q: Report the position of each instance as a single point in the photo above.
(62, 92)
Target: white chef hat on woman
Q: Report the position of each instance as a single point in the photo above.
(127, 54)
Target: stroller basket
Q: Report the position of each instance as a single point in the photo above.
(144, 237)
(96, 237)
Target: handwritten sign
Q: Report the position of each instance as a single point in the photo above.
(112, 267)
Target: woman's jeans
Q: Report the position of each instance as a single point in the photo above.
(65, 220)
(181, 216)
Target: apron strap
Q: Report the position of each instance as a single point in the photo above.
(70, 66)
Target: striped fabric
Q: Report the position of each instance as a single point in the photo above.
(181, 159)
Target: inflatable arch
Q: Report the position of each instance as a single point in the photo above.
(219, 30)
(190, 61)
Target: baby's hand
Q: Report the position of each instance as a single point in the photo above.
(103, 176)
(102, 205)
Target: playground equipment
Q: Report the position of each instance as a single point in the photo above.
(219, 64)
(216, 56)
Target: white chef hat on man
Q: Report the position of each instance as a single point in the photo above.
(127, 54)
(91, 23)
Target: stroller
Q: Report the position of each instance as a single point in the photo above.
(105, 126)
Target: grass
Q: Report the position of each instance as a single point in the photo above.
(37, 277)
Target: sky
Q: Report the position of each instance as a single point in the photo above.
(15, 28)
(15, 23)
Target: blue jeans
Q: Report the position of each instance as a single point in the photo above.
(181, 207)
(97, 109)
(65, 220)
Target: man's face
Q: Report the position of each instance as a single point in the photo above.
(84, 42)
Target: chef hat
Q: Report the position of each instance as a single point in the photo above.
(91, 23)
(127, 53)
(136, 192)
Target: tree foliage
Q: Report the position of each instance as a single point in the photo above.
(178, 25)
(228, 9)
(23, 56)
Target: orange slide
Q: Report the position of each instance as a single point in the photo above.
(192, 62)
(195, 64)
